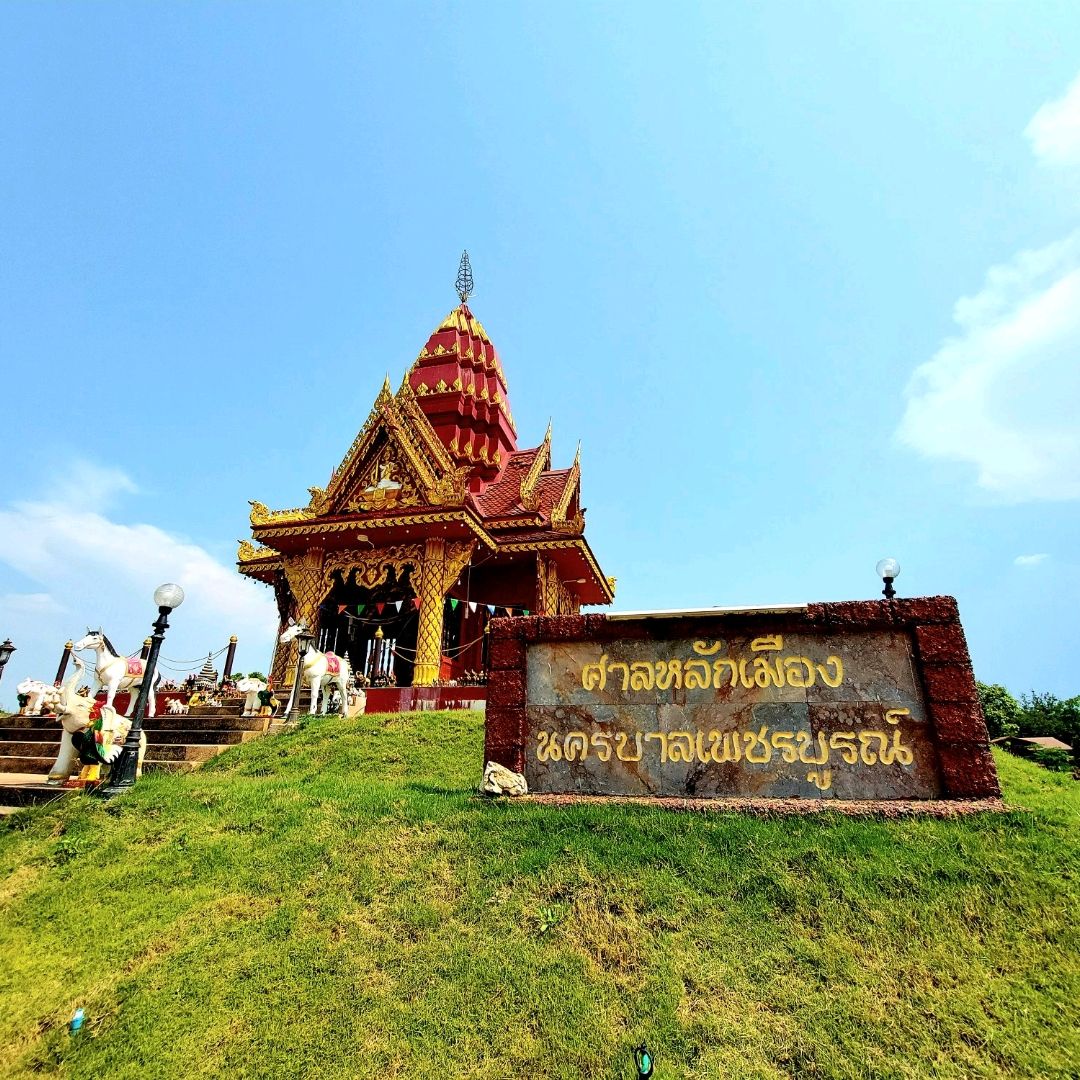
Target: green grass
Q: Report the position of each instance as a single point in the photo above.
(336, 902)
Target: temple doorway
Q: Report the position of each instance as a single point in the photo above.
(374, 627)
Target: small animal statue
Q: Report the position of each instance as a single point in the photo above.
(95, 740)
(177, 707)
(251, 688)
(116, 672)
(37, 693)
(319, 669)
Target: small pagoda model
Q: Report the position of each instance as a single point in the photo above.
(433, 519)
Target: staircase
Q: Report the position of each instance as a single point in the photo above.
(29, 745)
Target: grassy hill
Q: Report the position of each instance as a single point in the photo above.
(336, 902)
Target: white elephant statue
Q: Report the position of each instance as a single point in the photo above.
(251, 688)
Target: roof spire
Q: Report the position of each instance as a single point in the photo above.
(464, 283)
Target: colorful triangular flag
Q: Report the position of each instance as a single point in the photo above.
(341, 608)
(379, 608)
(453, 604)
(509, 612)
(360, 609)
(397, 605)
(472, 607)
(416, 602)
(524, 611)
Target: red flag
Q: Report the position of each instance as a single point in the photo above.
(341, 608)
(379, 608)
(416, 602)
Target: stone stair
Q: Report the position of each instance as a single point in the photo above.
(29, 745)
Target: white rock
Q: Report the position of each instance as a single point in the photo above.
(501, 781)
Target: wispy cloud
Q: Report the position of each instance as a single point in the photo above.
(1003, 394)
(93, 569)
(1031, 560)
(1054, 130)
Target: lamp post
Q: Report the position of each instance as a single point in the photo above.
(230, 656)
(5, 654)
(124, 769)
(643, 1059)
(303, 640)
(62, 669)
(888, 570)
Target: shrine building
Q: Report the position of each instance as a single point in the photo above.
(434, 517)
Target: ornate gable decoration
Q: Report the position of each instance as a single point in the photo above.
(542, 461)
(396, 461)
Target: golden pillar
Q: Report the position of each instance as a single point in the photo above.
(430, 630)
(305, 577)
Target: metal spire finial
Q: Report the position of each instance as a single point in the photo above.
(464, 283)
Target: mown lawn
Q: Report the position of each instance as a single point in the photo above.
(336, 902)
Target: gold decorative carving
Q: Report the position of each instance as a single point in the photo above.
(457, 383)
(441, 387)
(530, 497)
(319, 503)
(372, 566)
(261, 514)
(248, 552)
(559, 511)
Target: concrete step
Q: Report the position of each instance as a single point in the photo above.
(22, 734)
(35, 764)
(205, 735)
(183, 751)
(215, 723)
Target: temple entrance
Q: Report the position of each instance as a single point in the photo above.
(374, 627)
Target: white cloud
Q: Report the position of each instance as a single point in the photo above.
(1031, 560)
(1054, 130)
(1003, 394)
(99, 571)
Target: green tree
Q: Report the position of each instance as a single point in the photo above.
(1045, 714)
(1002, 711)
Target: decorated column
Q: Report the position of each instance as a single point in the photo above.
(68, 646)
(230, 656)
(305, 576)
(430, 630)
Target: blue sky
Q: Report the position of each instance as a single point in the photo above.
(805, 280)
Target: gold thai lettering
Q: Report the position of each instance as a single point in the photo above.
(625, 673)
(575, 746)
(594, 676)
(844, 742)
(772, 643)
(641, 675)
(837, 676)
(719, 672)
(621, 739)
(696, 673)
(821, 780)
(894, 716)
(758, 749)
(784, 741)
(668, 673)
(870, 748)
(601, 743)
(804, 739)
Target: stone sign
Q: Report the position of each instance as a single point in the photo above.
(871, 700)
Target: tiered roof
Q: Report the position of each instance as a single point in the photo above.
(440, 456)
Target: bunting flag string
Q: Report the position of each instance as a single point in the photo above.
(454, 604)
(397, 605)
(472, 607)
(416, 602)
(379, 608)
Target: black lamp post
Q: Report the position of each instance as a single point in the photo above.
(303, 639)
(124, 768)
(888, 570)
(5, 654)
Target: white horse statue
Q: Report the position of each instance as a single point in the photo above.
(94, 742)
(319, 669)
(116, 672)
